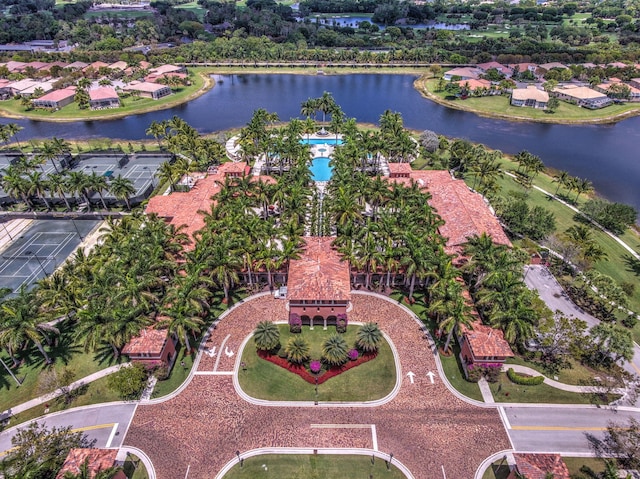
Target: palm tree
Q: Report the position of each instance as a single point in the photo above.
(122, 189)
(158, 130)
(335, 350)
(16, 185)
(57, 185)
(24, 324)
(297, 349)
(97, 183)
(77, 185)
(38, 187)
(266, 336)
(12, 130)
(368, 337)
(453, 314)
(582, 185)
(562, 178)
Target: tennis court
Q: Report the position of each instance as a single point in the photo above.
(39, 250)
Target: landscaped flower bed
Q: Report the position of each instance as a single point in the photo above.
(304, 373)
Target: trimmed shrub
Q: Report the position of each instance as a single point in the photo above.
(315, 366)
(353, 354)
(295, 323)
(474, 374)
(516, 378)
(341, 323)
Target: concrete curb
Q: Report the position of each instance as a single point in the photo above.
(558, 385)
(484, 465)
(306, 450)
(151, 471)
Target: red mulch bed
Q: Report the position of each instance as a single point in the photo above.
(301, 371)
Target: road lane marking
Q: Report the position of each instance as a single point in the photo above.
(556, 428)
(503, 416)
(112, 435)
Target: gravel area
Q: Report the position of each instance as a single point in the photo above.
(424, 426)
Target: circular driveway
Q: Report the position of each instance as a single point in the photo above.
(425, 426)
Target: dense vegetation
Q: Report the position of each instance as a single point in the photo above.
(267, 30)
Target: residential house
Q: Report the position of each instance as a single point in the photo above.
(5, 89)
(522, 67)
(152, 347)
(77, 66)
(148, 90)
(319, 283)
(122, 66)
(103, 97)
(45, 86)
(611, 88)
(505, 70)
(531, 97)
(464, 73)
(550, 66)
(539, 466)
(55, 99)
(96, 459)
(582, 96)
(15, 67)
(96, 66)
(477, 87)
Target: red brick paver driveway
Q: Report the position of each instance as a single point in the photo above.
(425, 426)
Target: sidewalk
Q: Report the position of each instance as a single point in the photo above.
(59, 392)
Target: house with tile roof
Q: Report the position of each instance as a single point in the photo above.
(531, 97)
(539, 466)
(480, 86)
(505, 70)
(464, 73)
(56, 99)
(152, 347)
(103, 97)
(148, 90)
(97, 460)
(319, 283)
(582, 96)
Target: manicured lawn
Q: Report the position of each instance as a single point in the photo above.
(193, 7)
(497, 470)
(506, 391)
(284, 466)
(177, 376)
(499, 105)
(576, 375)
(455, 375)
(575, 463)
(134, 468)
(371, 380)
(65, 355)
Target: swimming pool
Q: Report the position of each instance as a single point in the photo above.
(320, 169)
(321, 141)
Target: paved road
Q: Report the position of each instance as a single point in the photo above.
(560, 428)
(539, 278)
(106, 424)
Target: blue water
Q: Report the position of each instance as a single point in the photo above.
(320, 169)
(321, 141)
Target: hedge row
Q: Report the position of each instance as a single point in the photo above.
(514, 377)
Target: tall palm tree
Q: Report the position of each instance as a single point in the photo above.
(16, 185)
(369, 337)
(98, 184)
(38, 186)
(562, 178)
(266, 336)
(122, 189)
(57, 185)
(335, 350)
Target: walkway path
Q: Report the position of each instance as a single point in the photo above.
(558, 385)
(59, 392)
(576, 210)
(423, 426)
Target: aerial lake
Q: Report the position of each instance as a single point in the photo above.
(608, 155)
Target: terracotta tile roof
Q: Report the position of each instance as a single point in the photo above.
(181, 208)
(77, 65)
(58, 95)
(118, 66)
(536, 466)
(399, 169)
(150, 341)
(97, 65)
(103, 93)
(474, 84)
(486, 341)
(320, 273)
(144, 87)
(531, 92)
(464, 212)
(99, 459)
(465, 72)
(162, 69)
